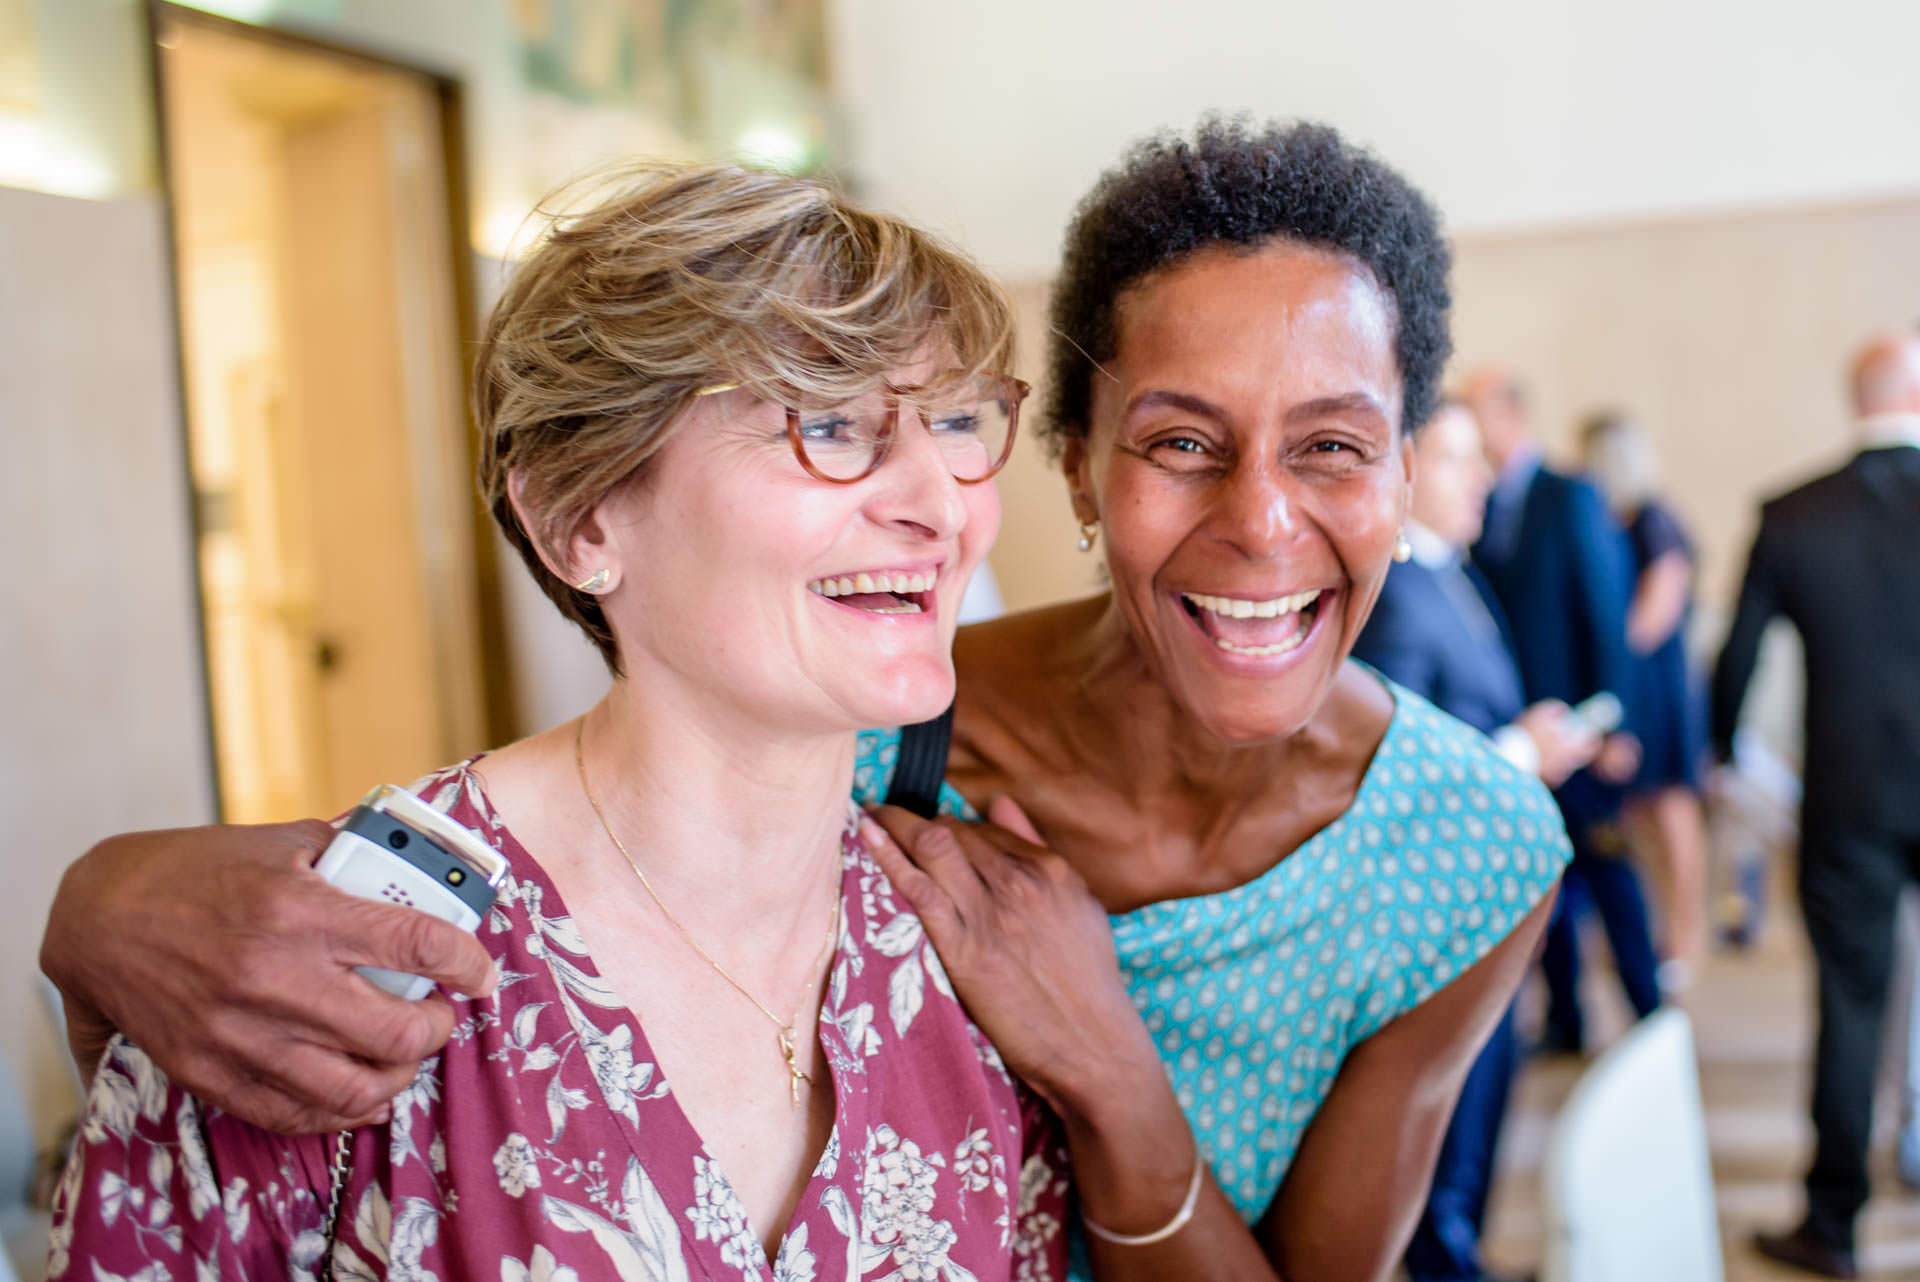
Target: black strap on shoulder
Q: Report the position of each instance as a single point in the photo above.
(921, 765)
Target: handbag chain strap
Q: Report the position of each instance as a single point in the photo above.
(342, 1160)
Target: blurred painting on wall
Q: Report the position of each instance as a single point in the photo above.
(723, 79)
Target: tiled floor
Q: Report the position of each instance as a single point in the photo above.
(1753, 1025)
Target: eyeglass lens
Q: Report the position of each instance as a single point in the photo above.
(969, 419)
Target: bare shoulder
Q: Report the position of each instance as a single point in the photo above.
(1014, 722)
(524, 780)
(1014, 670)
(1016, 646)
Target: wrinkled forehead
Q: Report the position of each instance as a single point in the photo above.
(1305, 320)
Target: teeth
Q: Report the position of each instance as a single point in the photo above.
(1262, 651)
(1232, 608)
(869, 581)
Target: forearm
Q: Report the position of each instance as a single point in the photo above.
(64, 958)
(1659, 602)
(224, 957)
(1134, 1157)
(1740, 655)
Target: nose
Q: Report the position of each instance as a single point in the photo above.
(916, 491)
(1255, 512)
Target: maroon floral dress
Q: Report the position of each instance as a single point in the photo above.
(543, 1145)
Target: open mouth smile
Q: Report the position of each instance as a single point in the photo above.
(1258, 629)
(879, 591)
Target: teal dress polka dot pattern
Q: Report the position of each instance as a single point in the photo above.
(1256, 994)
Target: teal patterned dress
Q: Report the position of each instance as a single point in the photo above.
(1256, 994)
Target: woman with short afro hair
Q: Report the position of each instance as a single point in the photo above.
(1282, 902)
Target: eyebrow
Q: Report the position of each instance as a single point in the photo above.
(1319, 407)
(1160, 396)
(1326, 406)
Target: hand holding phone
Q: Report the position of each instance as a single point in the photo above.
(394, 847)
(1599, 716)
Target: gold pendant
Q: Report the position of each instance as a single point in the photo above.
(792, 1053)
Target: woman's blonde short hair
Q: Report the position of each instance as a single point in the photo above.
(673, 279)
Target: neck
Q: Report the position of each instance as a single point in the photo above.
(717, 807)
(1889, 427)
(1156, 745)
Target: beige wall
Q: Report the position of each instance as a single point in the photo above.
(1727, 336)
(100, 681)
(990, 118)
(1035, 561)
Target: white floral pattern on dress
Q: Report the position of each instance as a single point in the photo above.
(544, 1145)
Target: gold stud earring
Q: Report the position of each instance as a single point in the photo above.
(1088, 531)
(595, 583)
(1402, 550)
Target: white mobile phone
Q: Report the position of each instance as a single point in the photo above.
(394, 847)
(1600, 715)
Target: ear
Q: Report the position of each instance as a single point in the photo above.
(1075, 463)
(583, 550)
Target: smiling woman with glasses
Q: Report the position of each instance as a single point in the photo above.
(689, 1050)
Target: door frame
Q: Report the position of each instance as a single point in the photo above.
(498, 701)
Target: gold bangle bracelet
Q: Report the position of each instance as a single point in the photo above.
(1165, 1231)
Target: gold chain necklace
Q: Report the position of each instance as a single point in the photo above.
(788, 1047)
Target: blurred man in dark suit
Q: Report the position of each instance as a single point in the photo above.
(1839, 557)
(1437, 630)
(1561, 568)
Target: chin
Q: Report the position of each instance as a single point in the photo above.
(902, 691)
(1247, 711)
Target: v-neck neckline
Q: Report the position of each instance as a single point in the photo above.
(678, 1182)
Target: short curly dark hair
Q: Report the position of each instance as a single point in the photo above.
(1235, 184)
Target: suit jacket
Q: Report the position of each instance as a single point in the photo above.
(1565, 580)
(1839, 557)
(1443, 647)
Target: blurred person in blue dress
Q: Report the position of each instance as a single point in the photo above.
(1663, 814)
(1438, 631)
(1560, 567)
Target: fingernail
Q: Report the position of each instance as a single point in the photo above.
(492, 985)
(383, 1115)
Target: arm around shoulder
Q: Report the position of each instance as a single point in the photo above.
(229, 961)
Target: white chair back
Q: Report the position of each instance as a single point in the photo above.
(1628, 1191)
